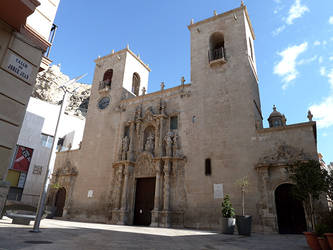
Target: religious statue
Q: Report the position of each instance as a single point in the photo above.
(125, 144)
(149, 146)
(168, 140)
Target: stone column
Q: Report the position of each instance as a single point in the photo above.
(161, 136)
(157, 138)
(166, 201)
(119, 180)
(120, 148)
(130, 153)
(138, 136)
(4, 188)
(123, 208)
(166, 170)
(155, 212)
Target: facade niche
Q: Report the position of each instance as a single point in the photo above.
(136, 84)
(216, 47)
(107, 80)
(149, 139)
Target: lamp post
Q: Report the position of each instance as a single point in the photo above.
(42, 198)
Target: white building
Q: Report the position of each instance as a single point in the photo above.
(29, 166)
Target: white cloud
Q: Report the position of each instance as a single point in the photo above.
(316, 43)
(323, 112)
(330, 58)
(330, 20)
(323, 71)
(286, 68)
(324, 42)
(324, 134)
(297, 10)
(307, 60)
(278, 30)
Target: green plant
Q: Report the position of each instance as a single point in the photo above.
(320, 229)
(227, 210)
(56, 186)
(310, 181)
(243, 183)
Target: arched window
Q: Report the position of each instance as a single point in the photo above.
(208, 167)
(107, 79)
(216, 46)
(136, 84)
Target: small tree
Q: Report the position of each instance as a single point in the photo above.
(227, 209)
(243, 183)
(310, 182)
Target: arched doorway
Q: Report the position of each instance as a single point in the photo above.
(60, 202)
(289, 210)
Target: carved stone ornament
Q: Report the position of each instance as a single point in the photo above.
(284, 154)
(66, 170)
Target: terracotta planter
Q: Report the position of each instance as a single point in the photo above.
(323, 243)
(311, 239)
(329, 237)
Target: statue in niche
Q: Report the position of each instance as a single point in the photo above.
(175, 150)
(149, 145)
(168, 140)
(125, 144)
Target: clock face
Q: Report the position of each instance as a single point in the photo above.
(104, 102)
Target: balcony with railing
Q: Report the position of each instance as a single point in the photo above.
(217, 56)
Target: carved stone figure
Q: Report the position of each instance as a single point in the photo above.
(168, 140)
(149, 145)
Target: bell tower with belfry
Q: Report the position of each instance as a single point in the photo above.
(226, 96)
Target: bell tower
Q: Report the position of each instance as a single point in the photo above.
(118, 76)
(223, 65)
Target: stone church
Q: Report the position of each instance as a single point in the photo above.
(166, 159)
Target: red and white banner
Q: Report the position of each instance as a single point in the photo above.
(22, 158)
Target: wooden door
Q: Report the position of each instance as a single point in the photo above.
(60, 202)
(144, 201)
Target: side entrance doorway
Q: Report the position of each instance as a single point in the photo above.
(60, 202)
(289, 210)
(144, 201)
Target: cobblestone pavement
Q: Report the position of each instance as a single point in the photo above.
(63, 235)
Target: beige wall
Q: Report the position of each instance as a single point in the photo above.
(14, 91)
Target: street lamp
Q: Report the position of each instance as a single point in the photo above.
(41, 202)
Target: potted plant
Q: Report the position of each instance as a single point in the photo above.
(320, 229)
(310, 181)
(228, 214)
(243, 221)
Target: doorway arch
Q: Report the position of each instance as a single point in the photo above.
(289, 211)
(60, 202)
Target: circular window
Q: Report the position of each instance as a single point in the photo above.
(104, 102)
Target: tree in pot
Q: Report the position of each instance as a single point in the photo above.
(228, 214)
(310, 181)
(243, 221)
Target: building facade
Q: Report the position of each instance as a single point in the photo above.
(24, 30)
(27, 174)
(167, 158)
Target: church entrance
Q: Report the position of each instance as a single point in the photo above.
(60, 202)
(144, 201)
(290, 212)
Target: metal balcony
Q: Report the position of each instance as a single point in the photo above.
(217, 56)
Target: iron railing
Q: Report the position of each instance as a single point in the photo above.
(216, 54)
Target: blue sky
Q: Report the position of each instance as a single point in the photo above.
(293, 46)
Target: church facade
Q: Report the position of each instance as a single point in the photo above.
(167, 158)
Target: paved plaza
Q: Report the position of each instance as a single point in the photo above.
(63, 235)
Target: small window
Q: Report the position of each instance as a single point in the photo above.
(107, 80)
(136, 84)
(216, 47)
(208, 167)
(174, 122)
(46, 140)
